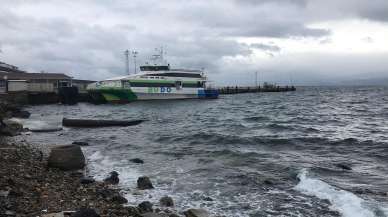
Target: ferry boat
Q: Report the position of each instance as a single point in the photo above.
(156, 80)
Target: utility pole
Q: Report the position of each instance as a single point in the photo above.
(134, 59)
(127, 61)
(256, 79)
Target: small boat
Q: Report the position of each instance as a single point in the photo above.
(156, 80)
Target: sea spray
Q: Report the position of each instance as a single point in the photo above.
(348, 204)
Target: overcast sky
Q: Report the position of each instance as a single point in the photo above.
(298, 41)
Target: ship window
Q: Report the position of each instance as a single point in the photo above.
(191, 85)
(145, 84)
(126, 84)
(177, 74)
(178, 84)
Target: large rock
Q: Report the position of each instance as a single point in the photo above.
(113, 178)
(166, 201)
(59, 214)
(144, 183)
(196, 213)
(67, 157)
(11, 128)
(85, 212)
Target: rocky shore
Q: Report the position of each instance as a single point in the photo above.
(32, 183)
(28, 187)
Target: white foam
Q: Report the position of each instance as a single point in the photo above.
(101, 165)
(39, 124)
(348, 204)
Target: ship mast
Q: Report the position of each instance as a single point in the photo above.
(134, 59)
(126, 53)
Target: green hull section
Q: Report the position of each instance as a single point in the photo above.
(113, 95)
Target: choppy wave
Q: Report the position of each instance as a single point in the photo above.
(243, 151)
(347, 203)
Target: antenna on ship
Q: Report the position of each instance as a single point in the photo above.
(126, 53)
(161, 52)
(134, 59)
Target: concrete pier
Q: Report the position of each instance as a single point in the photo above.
(240, 89)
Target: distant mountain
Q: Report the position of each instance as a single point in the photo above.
(383, 81)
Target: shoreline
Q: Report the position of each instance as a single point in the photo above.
(30, 188)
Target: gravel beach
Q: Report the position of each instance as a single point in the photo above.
(29, 188)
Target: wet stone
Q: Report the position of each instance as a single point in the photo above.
(85, 213)
(119, 199)
(137, 160)
(268, 182)
(196, 213)
(80, 143)
(67, 157)
(145, 207)
(152, 214)
(105, 193)
(144, 183)
(87, 180)
(343, 166)
(208, 199)
(166, 201)
(113, 178)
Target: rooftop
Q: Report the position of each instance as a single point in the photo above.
(32, 76)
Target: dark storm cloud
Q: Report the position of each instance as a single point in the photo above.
(279, 19)
(374, 10)
(321, 10)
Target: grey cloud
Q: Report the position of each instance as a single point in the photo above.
(307, 69)
(322, 10)
(266, 47)
(374, 10)
(87, 38)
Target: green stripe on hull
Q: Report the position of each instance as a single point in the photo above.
(117, 95)
(160, 81)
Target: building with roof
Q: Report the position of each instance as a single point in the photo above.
(33, 82)
(39, 88)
